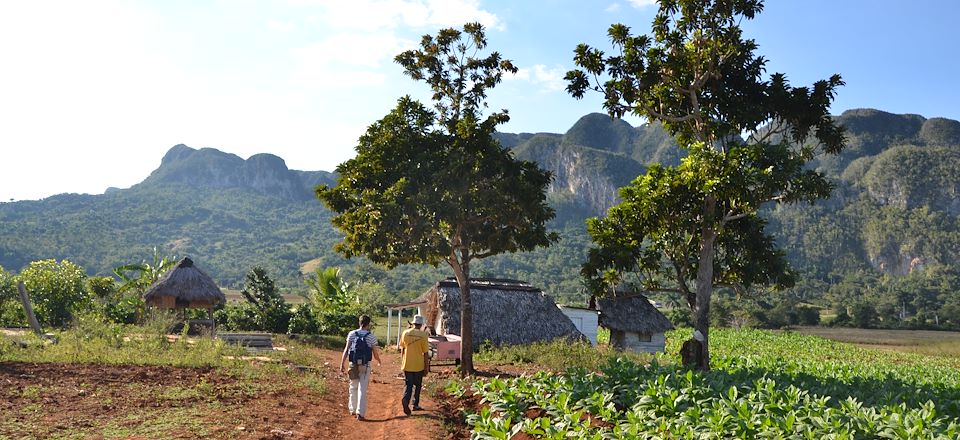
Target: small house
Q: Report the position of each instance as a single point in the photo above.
(634, 323)
(185, 287)
(504, 312)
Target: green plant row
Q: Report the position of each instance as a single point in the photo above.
(763, 385)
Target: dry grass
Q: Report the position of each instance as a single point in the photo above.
(928, 342)
(310, 267)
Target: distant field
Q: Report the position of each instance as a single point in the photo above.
(235, 295)
(935, 343)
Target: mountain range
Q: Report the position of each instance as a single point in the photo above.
(895, 209)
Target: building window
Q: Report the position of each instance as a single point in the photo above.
(644, 337)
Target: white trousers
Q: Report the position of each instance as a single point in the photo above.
(358, 391)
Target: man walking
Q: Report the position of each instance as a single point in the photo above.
(361, 346)
(416, 363)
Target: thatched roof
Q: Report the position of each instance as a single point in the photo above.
(186, 283)
(504, 312)
(632, 313)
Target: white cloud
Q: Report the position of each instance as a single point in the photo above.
(613, 8)
(95, 92)
(354, 49)
(640, 4)
(346, 60)
(549, 80)
(367, 34)
(281, 26)
(373, 15)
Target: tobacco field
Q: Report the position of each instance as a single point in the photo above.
(763, 385)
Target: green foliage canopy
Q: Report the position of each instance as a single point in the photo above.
(429, 187)
(57, 290)
(701, 79)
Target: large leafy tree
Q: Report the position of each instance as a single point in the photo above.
(57, 290)
(694, 227)
(433, 187)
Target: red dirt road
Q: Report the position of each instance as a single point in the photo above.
(50, 401)
(385, 418)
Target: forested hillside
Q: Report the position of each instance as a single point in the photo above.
(885, 248)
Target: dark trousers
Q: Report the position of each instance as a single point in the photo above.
(412, 382)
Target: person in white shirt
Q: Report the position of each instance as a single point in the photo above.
(361, 346)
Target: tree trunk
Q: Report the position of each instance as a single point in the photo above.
(462, 273)
(701, 319)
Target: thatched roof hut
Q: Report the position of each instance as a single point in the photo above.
(184, 286)
(634, 323)
(504, 312)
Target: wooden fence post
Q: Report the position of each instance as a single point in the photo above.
(31, 318)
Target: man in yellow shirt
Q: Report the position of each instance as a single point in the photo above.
(416, 362)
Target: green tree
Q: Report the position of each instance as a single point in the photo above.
(9, 303)
(57, 290)
(693, 227)
(436, 187)
(272, 312)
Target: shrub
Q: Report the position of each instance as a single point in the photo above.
(337, 322)
(302, 321)
(125, 309)
(808, 315)
(679, 316)
(11, 312)
(57, 290)
(237, 317)
(864, 315)
(782, 315)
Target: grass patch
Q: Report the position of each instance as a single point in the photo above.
(182, 422)
(93, 341)
(211, 405)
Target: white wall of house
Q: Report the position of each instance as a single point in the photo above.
(585, 320)
(644, 342)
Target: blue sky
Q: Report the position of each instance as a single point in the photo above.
(93, 93)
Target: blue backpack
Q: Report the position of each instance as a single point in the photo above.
(360, 351)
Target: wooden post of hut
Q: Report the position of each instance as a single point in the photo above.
(183, 287)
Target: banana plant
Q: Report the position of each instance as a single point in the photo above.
(328, 291)
(139, 277)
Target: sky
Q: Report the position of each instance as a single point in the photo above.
(93, 93)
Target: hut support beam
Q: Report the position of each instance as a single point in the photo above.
(389, 316)
(28, 308)
(213, 322)
(399, 326)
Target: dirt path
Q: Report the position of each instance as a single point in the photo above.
(57, 400)
(385, 418)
